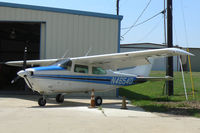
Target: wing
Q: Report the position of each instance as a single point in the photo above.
(128, 59)
(44, 62)
(111, 61)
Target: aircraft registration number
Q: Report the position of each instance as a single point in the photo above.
(122, 80)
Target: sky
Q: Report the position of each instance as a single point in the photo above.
(186, 18)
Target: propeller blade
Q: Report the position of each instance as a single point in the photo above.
(25, 57)
(15, 79)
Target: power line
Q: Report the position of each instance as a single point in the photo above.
(175, 35)
(145, 20)
(189, 60)
(149, 33)
(184, 22)
(138, 18)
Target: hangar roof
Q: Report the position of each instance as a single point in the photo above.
(59, 10)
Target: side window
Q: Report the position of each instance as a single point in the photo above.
(81, 68)
(98, 70)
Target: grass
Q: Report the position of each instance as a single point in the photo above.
(152, 97)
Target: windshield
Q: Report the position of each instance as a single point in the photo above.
(66, 64)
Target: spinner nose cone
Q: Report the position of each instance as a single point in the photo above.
(22, 73)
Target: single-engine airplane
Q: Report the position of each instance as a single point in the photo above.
(99, 72)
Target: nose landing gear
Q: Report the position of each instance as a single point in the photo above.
(42, 101)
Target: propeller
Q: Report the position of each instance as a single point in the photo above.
(24, 65)
(15, 79)
(25, 57)
(22, 73)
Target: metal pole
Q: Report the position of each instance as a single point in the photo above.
(181, 64)
(164, 13)
(117, 4)
(169, 63)
(191, 74)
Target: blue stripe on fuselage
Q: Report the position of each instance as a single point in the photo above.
(109, 80)
(48, 68)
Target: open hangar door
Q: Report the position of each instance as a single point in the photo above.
(14, 36)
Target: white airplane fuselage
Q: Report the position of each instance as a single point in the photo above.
(55, 80)
(83, 74)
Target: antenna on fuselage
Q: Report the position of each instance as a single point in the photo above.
(88, 51)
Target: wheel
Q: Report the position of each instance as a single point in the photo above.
(60, 98)
(42, 101)
(98, 101)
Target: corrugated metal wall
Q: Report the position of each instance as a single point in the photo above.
(64, 31)
(76, 33)
(195, 64)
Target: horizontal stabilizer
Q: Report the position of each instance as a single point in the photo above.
(166, 78)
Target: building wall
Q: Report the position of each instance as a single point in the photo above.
(195, 64)
(68, 30)
(72, 32)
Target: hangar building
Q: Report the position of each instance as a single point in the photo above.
(50, 32)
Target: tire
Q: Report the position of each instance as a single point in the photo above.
(42, 101)
(98, 101)
(60, 98)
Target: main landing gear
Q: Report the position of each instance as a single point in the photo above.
(59, 99)
(98, 101)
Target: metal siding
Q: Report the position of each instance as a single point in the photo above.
(66, 31)
(75, 33)
(195, 59)
(76, 49)
(83, 24)
(42, 40)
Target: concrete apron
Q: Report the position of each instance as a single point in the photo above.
(21, 114)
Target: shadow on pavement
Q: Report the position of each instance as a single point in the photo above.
(108, 103)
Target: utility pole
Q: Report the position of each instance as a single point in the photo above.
(169, 63)
(117, 5)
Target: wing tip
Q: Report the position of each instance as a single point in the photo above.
(181, 51)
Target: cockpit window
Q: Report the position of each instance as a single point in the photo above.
(66, 65)
(98, 70)
(81, 68)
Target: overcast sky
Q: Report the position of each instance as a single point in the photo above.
(186, 18)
